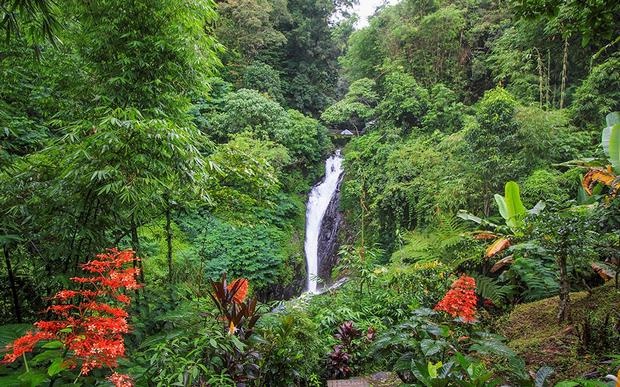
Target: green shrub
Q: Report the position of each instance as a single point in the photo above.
(291, 348)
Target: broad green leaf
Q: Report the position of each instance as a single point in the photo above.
(32, 378)
(501, 204)
(430, 347)
(567, 384)
(514, 206)
(468, 216)
(433, 369)
(614, 147)
(56, 367)
(612, 119)
(10, 380)
(44, 357)
(606, 134)
(537, 208)
(53, 345)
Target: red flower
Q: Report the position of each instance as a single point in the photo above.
(24, 344)
(460, 301)
(64, 295)
(122, 298)
(120, 380)
(91, 330)
(241, 285)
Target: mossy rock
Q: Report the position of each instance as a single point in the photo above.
(535, 334)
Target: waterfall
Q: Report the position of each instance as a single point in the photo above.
(318, 201)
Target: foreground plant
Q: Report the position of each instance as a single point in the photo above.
(87, 332)
(240, 316)
(345, 353)
(427, 350)
(460, 301)
(230, 299)
(605, 172)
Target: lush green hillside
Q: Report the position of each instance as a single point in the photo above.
(155, 162)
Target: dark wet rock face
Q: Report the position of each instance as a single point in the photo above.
(328, 236)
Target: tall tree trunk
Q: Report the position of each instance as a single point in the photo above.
(548, 80)
(169, 239)
(564, 73)
(564, 305)
(135, 245)
(12, 284)
(541, 82)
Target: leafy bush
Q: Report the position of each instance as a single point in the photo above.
(445, 112)
(344, 359)
(547, 185)
(264, 78)
(291, 348)
(355, 109)
(423, 341)
(405, 102)
(246, 252)
(249, 110)
(598, 95)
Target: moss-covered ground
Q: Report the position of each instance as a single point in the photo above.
(534, 332)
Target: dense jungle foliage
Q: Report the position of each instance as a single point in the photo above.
(155, 162)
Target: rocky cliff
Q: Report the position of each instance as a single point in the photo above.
(328, 237)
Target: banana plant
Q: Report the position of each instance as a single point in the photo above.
(603, 172)
(513, 212)
(511, 207)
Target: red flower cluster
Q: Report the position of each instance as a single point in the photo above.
(90, 330)
(242, 289)
(120, 380)
(460, 301)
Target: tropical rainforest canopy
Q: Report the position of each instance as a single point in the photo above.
(155, 163)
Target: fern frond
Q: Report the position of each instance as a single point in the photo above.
(490, 288)
(540, 280)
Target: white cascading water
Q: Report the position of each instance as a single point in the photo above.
(318, 201)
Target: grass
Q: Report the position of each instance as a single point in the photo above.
(534, 332)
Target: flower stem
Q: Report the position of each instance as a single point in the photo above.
(25, 362)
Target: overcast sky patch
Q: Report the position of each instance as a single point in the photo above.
(366, 8)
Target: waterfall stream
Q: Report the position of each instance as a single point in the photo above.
(318, 201)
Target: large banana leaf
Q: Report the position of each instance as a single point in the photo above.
(537, 209)
(612, 119)
(501, 203)
(614, 147)
(515, 210)
(498, 246)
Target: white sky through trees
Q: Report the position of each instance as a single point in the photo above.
(366, 8)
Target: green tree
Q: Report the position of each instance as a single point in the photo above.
(264, 78)
(356, 108)
(405, 102)
(252, 112)
(249, 110)
(128, 145)
(365, 53)
(248, 26)
(567, 235)
(598, 95)
(494, 144)
(309, 59)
